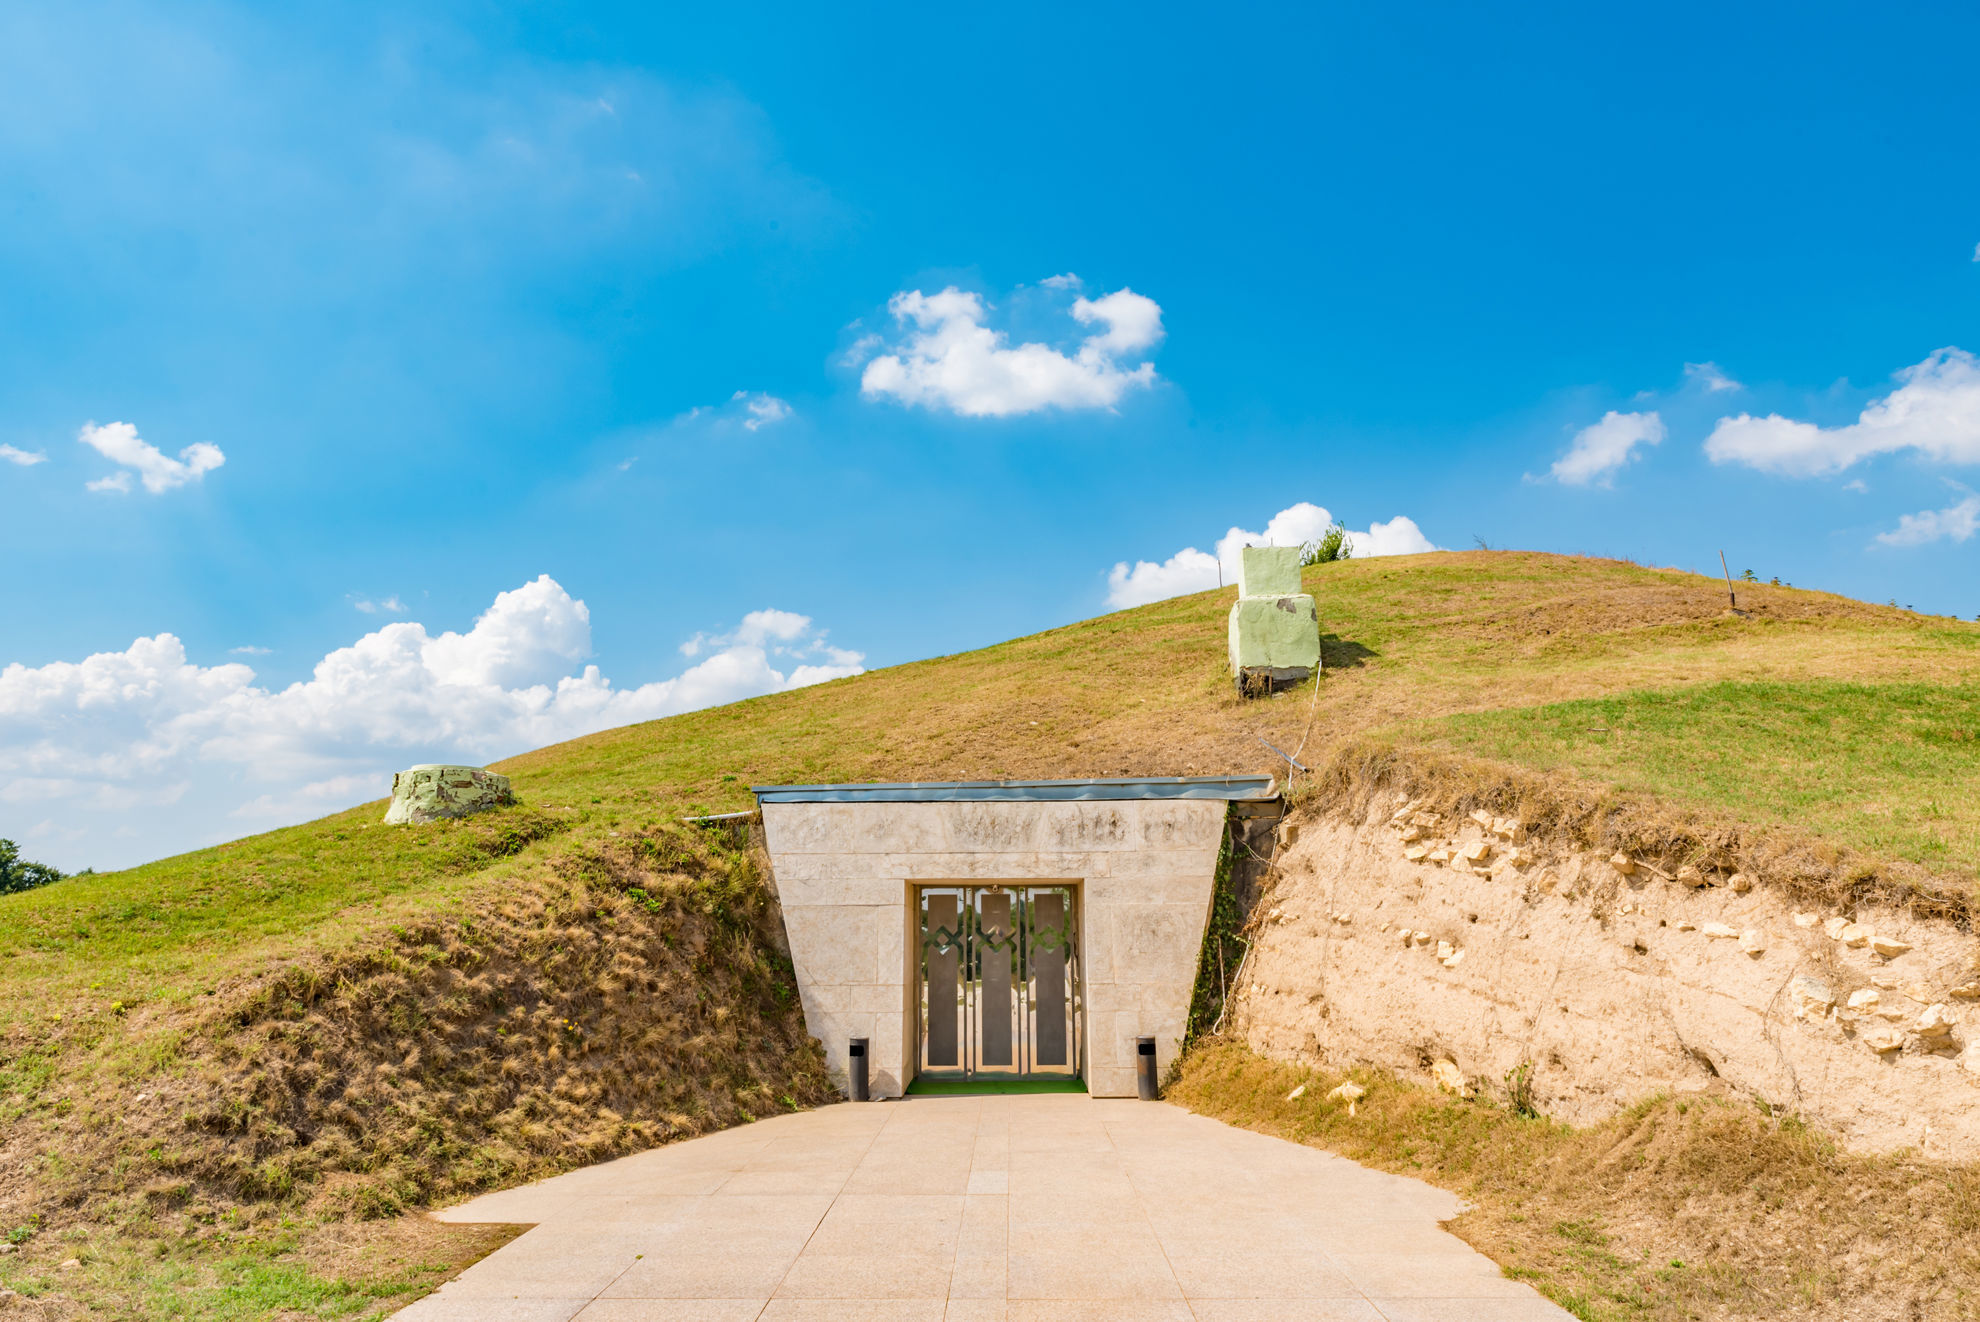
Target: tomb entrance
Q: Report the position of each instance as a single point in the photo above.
(984, 930)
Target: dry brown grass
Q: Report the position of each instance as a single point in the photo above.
(632, 994)
(1680, 1208)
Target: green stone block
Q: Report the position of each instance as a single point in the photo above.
(433, 790)
(1275, 633)
(1269, 571)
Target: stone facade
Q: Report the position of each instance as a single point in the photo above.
(846, 875)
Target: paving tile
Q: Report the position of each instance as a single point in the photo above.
(974, 1310)
(435, 1308)
(1096, 1310)
(1085, 1274)
(1531, 1309)
(867, 1276)
(672, 1310)
(547, 1264)
(1416, 1236)
(1412, 1276)
(980, 1276)
(1284, 1310)
(853, 1310)
(1068, 1208)
(628, 1213)
(992, 1209)
(1261, 1276)
(704, 1272)
(1194, 1234)
(759, 1214)
(890, 1224)
(770, 1183)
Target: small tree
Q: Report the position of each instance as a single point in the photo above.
(17, 874)
(1334, 544)
(1748, 576)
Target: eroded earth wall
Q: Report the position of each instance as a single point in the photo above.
(1415, 942)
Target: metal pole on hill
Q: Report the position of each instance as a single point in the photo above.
(1732, 602)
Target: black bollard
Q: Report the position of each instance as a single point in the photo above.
(856, 1063)
(1144, 1069)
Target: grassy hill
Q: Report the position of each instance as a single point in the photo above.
(286, 970)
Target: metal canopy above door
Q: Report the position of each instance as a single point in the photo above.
(999, 975)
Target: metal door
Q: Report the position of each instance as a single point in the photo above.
(999, 976)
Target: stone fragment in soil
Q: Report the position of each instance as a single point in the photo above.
(1883, 1039)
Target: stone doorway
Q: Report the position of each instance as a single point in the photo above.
(999, 980)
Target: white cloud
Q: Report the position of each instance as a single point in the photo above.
(948, 359)
(25, 458)
(861, 349)
(1955, 523)
(1188, 570)
(765, 626)
(1599, 450)
(119, 443)
(149, 738)
(1976, 252)
(763, 409)
(1935, 411)
(250, 650)
(1191, 570)
(1399, 536)
(390, 606)
(785, 637)
(1711, 377)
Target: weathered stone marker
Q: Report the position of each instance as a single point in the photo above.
(1275, 628)
(432, 790)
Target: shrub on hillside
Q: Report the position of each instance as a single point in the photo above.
(17, 874)
(1334, 544)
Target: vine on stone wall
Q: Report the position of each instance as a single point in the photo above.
(1223, 944)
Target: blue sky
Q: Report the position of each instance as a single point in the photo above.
(460, 297)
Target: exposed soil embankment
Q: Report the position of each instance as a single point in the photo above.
(633, 993)
(1402, 934)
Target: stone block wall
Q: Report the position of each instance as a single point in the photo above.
(846, 874)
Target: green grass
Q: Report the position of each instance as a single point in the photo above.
(178, 928)
(1888, 768)
(297, 1269)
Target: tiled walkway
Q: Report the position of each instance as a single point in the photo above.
(960, 1209)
